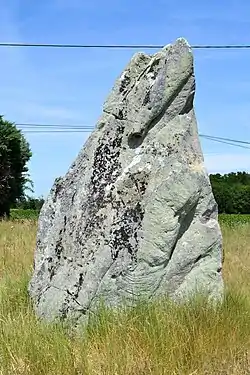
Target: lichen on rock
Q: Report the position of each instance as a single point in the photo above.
(134, 216)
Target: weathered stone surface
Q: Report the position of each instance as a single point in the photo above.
(135, 215)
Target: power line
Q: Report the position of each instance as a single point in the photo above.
(53, 128)
(116, 46)
(211, 137)
(229, 143)
(82, 127)
(59, 131)
(92, 127)
(57, 125)
(88, 128)
(232, 46)
(60, 126)
(236, 144)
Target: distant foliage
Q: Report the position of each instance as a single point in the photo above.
(29, 203)
(26, 208)
(27, 214)
(232, 192)
(14, 156)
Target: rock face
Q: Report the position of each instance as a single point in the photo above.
(134, 216)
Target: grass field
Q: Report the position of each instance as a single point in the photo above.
(150, 339)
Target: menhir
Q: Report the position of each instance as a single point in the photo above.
(135, 216)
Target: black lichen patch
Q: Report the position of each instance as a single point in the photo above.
(125, 235)
(142, 187)
(51, 212)
(64, 224)
(51, 268)
(58, 188)
(105, 168)
(59, 248)
(146, 99)
(78, 286)
(172, 149)
(120, 114)
(125, 82)
(127, 217)
(164, 150)
(140, 182)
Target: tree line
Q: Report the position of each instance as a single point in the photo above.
(231, 191)
(29, 203)
(14, 155)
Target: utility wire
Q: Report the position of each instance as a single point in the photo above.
(236, 144)
(54, 125)
(89, 128)
(84, 128)
(47, 127)
(224, 139)
(117, 46)
(58, 131)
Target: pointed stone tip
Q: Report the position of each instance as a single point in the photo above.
(181, 41)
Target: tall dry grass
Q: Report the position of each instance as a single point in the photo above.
(150, 339)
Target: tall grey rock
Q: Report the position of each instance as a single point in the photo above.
(134, 216)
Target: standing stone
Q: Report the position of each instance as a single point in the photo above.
(134, 216)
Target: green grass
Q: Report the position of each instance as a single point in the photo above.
(159, 338)
(229, 220)
(234, 219)
(19, 214)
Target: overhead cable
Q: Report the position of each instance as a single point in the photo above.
(37, 127)
(88, 129)
(236, 144)
(118, 46)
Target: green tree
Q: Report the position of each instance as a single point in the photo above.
(29, 203)
(232, 192)
(14, 156)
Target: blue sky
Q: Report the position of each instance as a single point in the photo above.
(67, 86)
